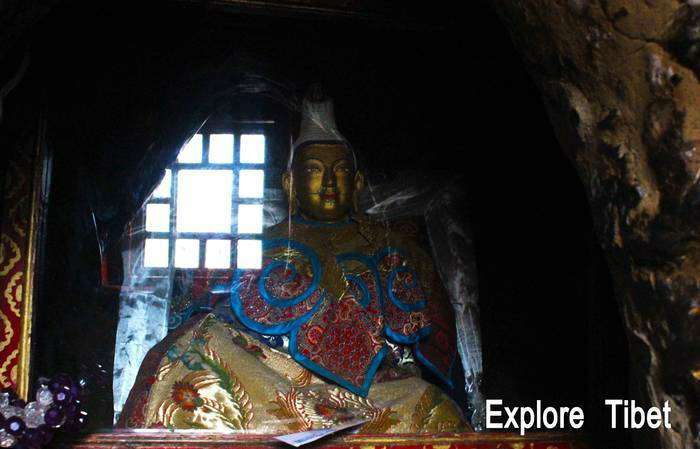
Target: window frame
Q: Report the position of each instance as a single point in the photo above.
(237, 129)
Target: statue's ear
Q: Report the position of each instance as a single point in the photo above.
(287, 182)
(359, 186)
(288, 187)
(359, 182)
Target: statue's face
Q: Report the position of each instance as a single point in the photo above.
(325, 181)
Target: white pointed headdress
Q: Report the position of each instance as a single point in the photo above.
(317, 126)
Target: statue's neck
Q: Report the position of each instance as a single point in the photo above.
(303, 219)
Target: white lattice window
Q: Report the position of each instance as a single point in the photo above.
(207, 212)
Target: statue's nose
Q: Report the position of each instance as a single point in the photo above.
(328, 178)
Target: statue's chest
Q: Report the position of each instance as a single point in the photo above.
(332, 241)
(338, 294)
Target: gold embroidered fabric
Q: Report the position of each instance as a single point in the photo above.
(210, 375)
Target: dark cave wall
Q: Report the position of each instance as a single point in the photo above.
(622, 93)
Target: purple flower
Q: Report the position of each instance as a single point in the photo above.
(62, 396)
(65, 412)
(60, 382)
(14, 426)
(54, 417)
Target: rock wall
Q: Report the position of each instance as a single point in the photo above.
(620, 81)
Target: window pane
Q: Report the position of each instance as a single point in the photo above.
(250, 218)
(249, 254)
(163, 189)
(218, 254)
(157, 217)
(252, 148)
(204, 200)
(251, 183)
(186, 253)
(221, 148)
(155, 253)
(191, 153)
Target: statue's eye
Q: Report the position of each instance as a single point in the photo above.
(312, 169)
(343, 169)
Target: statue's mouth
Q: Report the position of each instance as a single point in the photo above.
(329, 196)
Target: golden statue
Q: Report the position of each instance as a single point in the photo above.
(330, 330)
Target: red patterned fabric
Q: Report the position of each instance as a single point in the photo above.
(344, 337)
(439, 349)
(14, 257)
(403, 326)
(279, 284)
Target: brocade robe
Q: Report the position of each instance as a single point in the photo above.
(347, 300)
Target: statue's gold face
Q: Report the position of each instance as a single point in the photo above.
(324, 181)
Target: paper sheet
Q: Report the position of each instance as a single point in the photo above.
(301, 438)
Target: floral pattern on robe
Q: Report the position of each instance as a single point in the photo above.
(210, 375)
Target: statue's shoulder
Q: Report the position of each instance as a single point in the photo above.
(405, 234)
(399, 232)
(279, 230)
(409, 237)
